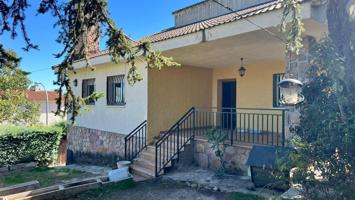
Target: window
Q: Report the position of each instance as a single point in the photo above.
(115, 90)
(88, 88)
(276, 90)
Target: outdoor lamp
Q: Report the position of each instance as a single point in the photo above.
(291, 92)
(242, 69)
(75, 82)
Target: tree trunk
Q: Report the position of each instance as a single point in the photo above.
(342, 32)
(341, 28)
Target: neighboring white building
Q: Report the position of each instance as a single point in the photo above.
(39, 96)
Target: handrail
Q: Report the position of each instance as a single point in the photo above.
(173, 141)
(136, 141)
(266, 127)
(134, 130)
(174, 126)
(231, 108)
(256, 126)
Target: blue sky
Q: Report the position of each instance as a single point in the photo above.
(138, 18)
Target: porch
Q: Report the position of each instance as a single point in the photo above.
(209, 79)
(241, 126)
(207, 93)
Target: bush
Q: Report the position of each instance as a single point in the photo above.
(27, 144)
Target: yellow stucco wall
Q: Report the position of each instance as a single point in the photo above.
(172, 91)
(254, 90)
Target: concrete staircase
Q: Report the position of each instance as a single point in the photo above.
(144, 165)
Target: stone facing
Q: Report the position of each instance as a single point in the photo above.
(91, 146)
(297, 67)
(235, 156)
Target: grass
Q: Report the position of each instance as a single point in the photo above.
(44, 175)
(106, 190)
(244, 196)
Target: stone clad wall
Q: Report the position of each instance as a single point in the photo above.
(90, 146)
(298, 65)
(236, 157)
(297, 68)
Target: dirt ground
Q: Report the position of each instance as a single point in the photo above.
(158, 190)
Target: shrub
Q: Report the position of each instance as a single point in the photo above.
(27, 144)
(216, 140)
(62, 124)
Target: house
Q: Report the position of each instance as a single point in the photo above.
(176, 106)
(39, 96)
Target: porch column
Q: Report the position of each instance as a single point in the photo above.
(297, 67)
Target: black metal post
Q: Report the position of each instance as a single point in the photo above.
(156, 160)
(283, 128)
(125, 148)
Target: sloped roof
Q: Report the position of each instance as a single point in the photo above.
(209, 23)
(40, 95)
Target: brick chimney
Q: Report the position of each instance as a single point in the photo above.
(91, 41)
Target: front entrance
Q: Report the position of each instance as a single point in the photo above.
(228, 104)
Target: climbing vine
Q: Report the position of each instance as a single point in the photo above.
(295, 28)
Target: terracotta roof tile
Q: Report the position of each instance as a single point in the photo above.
(40, 95)
(209, 23)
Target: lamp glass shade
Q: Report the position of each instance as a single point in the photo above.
(242, 71)
(75, 82)
(291, 91)
(290, 95)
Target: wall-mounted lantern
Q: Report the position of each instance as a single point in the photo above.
(291, 92)
(242, 69)
(75, 82)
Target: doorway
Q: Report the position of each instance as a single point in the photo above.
(228, 104)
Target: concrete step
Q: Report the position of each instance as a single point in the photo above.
(147, 155)
(142, 171)
(151, 149)
(146, 163)
(173, 139)
(151, 155)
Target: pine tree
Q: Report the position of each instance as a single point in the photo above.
(75, 18)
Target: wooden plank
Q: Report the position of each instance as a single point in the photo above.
(31, 193)
(60, 191)
(32, 185)
(23, 166)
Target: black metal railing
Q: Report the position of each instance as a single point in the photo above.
(136, 141)
(249, 125)
(173, 141)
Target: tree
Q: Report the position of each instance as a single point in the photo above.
(325, 136)
(14, 106)
(75, 19)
